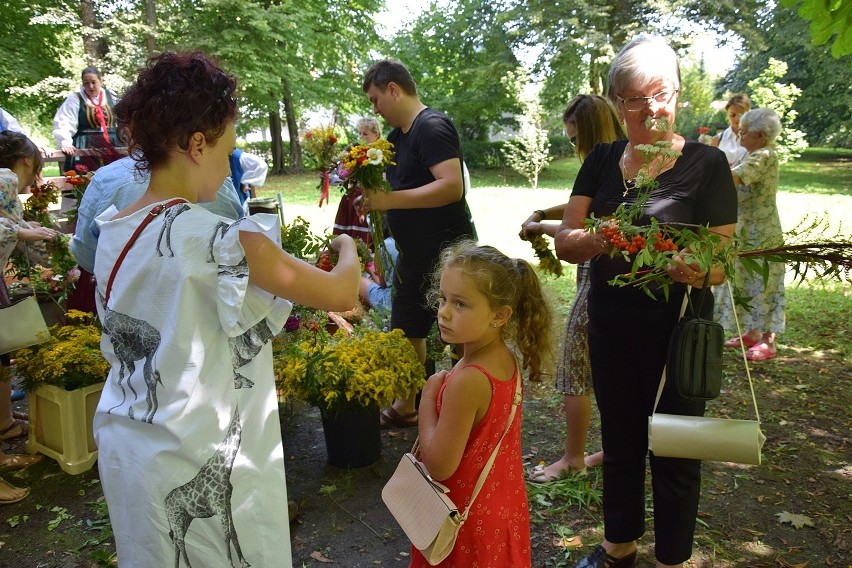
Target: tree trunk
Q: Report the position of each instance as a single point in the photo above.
(292, 129)
(90, 41)
(277, 144)
(151, 21)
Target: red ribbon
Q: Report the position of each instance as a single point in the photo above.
(99, 114)
(324, 183)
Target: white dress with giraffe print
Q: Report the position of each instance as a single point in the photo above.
(190, 452)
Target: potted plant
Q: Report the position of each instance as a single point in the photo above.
(64, 378)
(349, 377)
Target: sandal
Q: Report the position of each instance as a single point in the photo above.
(734, 342)
(761, 352)
(17, 429)
(9, 495)
(20, 461)
(390, 418)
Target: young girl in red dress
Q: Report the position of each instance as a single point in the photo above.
(486, 302)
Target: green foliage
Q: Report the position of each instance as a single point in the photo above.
(461, 58)
(483, 154)
(828, 18)
(561, 146)
(768, 91)
(826, 97)
(529, 153)
(576, 42)
(695, 98)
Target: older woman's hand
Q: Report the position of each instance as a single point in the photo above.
(689, 274)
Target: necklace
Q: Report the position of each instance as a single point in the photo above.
(629, 184)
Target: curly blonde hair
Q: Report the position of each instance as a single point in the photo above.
(509, 282)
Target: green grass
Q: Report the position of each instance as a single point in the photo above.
(819, 171)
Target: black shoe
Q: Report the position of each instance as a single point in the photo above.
(600, 559)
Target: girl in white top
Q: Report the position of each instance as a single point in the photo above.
(728, 140)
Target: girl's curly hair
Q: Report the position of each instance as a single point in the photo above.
(509, 282)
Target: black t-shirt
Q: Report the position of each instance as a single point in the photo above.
(698, 190)
(421, 233)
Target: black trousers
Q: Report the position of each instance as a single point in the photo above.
(627, 348)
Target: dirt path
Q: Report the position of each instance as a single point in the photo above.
(805, 478)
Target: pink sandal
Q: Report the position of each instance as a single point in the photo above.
(760, 352)
(734, 342)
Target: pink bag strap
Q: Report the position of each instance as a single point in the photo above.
(152, 214)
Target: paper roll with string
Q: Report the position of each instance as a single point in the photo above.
(703, 438)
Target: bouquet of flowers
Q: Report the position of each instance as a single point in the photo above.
(321, 144)
(547, 261)
(363, 165)
(37, 205)
(78, 179)
(704, 135)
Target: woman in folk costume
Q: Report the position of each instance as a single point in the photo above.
(85, 120)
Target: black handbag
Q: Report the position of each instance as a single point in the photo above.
(694, 359)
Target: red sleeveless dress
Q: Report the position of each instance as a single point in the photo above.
(497, 530)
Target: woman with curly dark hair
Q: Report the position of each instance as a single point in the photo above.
(189, 301)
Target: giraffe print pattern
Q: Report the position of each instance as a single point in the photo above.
(245, 347)
(206, 495)
(219, 230)
(169, 218)
(132, 340)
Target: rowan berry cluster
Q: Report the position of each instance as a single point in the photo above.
(325, 262)
(634, 244)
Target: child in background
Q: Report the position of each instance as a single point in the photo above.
(487, 302)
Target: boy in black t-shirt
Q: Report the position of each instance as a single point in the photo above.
(426, 210)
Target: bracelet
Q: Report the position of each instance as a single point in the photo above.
(541, 214)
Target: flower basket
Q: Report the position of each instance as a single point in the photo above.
(348, 377)
(70, 359)
(352, 435)
(61, 425)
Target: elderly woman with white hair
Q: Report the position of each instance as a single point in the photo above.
(759, 226)
(628, 331)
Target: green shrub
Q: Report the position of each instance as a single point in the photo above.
(483, 154)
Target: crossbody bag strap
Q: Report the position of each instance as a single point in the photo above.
(516, 402)
(686, 300)
(742, 349)
(152, 214)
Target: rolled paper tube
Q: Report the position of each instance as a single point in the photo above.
(708, 439)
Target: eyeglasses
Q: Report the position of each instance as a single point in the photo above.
(635, 104)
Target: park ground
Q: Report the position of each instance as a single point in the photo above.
(792, 511)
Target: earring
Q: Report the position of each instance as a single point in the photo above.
(494, 324)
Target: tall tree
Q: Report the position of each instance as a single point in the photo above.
(151, 21)
(823, 107)
(288, 55)
(461, 58)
